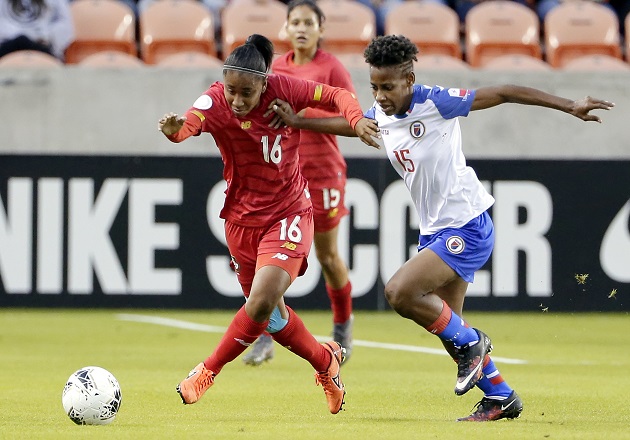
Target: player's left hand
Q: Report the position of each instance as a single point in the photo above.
(283, 114)
(581, 109)
(367, 130)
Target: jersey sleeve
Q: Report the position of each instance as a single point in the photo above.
(191, 127)
(301, 94)
(199, 117)
(452, 102)
(339, 77)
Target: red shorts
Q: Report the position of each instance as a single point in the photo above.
(329, 204)
(285, 244)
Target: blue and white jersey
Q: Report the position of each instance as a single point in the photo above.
(425, 147)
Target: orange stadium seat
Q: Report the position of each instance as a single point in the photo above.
(111, 59)
(440, 62)
(517, 62)
(433, 27)
(172, 26)
(349, 26)
(501, 27)
(190, 60)
(241, 18)
(29, 59)
(101, 25)
(577, 28)
(601, 63)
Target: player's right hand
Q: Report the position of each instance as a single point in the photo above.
(171, 123)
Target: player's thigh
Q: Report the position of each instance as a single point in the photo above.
(425, 271)
(326, 242)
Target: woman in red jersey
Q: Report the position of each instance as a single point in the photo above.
(322, 165)
(268, 212)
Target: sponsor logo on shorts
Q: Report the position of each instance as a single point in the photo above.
(333, 213)
(455, 245)
(288, 245)
(417, 129)
(279, 256)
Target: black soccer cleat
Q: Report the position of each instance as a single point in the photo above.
(491, 409)
(470, 363)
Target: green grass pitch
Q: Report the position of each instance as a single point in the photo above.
(574, 384)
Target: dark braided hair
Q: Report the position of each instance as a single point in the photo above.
(390, 51)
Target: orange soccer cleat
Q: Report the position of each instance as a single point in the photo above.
(330, 379)
(198, 381)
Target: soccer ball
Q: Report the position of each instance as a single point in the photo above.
(91, 396)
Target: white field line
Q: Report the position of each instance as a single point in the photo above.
(185, 325)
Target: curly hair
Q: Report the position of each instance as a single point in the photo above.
(391, 50)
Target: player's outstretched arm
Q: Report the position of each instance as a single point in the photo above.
(486, 97)
(366, 129)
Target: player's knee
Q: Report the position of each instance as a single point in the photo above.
(327, 259)
(259, 309)
(394, 295)
(398, 295)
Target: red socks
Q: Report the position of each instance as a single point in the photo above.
(340, 302)
(241, 332)
(300, 341)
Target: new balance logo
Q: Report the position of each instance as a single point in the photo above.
(280, 256)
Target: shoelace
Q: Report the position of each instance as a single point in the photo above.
(325, 381)
(204, 380)
(460, 365)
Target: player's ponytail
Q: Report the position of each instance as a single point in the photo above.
(255, 56)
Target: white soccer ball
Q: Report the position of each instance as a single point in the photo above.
(91, 396)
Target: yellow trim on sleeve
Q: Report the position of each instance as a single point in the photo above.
(318, 93)
(198, 114)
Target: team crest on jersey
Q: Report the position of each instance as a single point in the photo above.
(245, 125)
(417, 129)
(455, 245)
(204, 102)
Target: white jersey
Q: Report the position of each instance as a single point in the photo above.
(425, 147)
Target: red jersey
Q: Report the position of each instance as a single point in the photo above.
(320, 157)
(261, 164)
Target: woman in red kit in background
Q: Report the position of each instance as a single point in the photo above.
(322, 165)
(268, 212)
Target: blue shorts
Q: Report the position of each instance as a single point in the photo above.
(464, 249)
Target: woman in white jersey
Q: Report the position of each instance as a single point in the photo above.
(420, 130)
